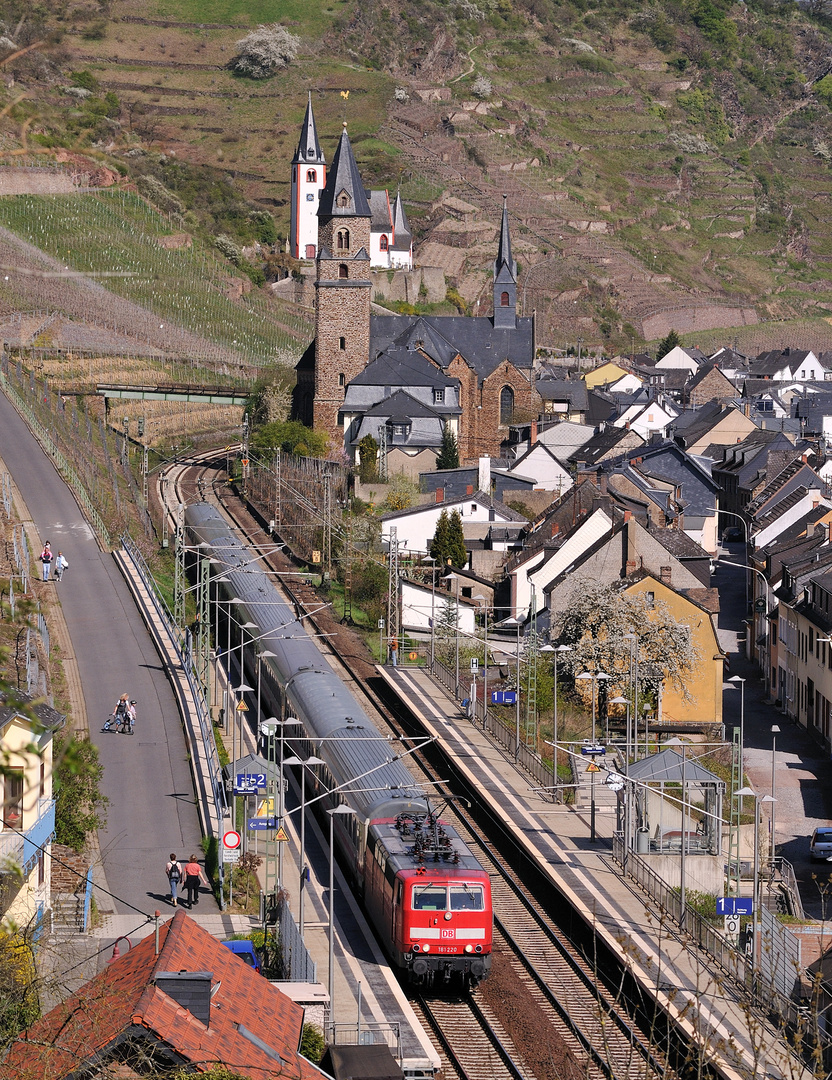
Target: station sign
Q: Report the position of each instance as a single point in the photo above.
(249, 783)
(504, 697)
(734, 905)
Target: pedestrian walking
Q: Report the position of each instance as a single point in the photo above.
(131, 718)
(174, 873)
(46, 559)
(118, 718)
(193, 876)
(61, 563)
(394, 652)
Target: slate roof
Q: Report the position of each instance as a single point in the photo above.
(600, 445)
(380, 210)
(679, 544)
(706, 370)
(402, 235)
(401, 367)
(780, 484)
(344, 176)
(769, 363)
(252, 1024)
(49, 719)
(690, 426)
(668, 765)
(402, 404)
(575, 391)
(475, 339)
(309, 148)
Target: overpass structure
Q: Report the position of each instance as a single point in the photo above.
(212, 395)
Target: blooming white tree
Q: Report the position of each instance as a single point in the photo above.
(264, 51)
(597, 623)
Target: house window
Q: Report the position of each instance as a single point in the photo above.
(342, 379)
(651, 598)
(310, 251)
(342, 270)
(504, 299)
(466, 591)
(438, 397)
(342, 343)
(342, 240)
(473, 508)
(42, 781)
(383, 243)
(398, 429)
(13, 799)
(506, 405)
(311, 176)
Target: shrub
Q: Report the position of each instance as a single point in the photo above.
(265, 51)
(85, 80)
(482, 87)
(156, 192)
(823, 88)
(80, 808)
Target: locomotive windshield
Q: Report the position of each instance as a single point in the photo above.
(464, 897)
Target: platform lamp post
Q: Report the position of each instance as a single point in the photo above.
(483, 602)
(595, 677)
(555, 650)
(290, 721)
(739, 682)
(775, 731)
(238, 690)
(430, 559)
(449, 578)
(310, 761)
(755, 916)
(340, 809)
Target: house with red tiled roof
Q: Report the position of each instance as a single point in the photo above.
(192, 1005)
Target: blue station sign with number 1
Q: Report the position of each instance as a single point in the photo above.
(734, 905)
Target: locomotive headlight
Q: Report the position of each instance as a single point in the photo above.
(469, 948)
(417, 948)
(426, 948)
(447, 916)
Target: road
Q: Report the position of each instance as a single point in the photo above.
(147, 776)
(803, 773)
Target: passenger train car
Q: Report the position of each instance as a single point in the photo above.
(424, 891)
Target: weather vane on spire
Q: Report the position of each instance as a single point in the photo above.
(345, 94)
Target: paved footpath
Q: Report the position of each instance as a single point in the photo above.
(147, 777)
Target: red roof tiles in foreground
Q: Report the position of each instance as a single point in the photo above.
(254, 1029)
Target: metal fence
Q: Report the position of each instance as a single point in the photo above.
(764, 990)
(7, 495)
(63, 466)
(506, 736)
(298, 965)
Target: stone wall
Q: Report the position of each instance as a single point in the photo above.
(405, 285)
(686, 320)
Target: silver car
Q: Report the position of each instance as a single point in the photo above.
(820, 846)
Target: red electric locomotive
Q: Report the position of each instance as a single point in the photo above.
(431, 898)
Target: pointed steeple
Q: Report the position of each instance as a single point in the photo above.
(402, 236)
(309, 148)
(505, 279)
(344, 194)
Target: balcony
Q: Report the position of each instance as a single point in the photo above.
(20, 851)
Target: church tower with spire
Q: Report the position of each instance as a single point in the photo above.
(505, 279)
(343, 286)
(308, 181)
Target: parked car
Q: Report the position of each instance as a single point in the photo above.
(246, 952)
(820, 846)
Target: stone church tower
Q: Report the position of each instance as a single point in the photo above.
(308, 180)
(342, 320)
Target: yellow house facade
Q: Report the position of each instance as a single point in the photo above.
(27, 825)
(607, 373)
(703, 701)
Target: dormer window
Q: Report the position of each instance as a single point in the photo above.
(310, 152)
(311, 176)
(343, 200)
(438, 397)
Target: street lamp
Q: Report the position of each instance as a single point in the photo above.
(775, 731)
(241, 689)
(755, 915)
(310, 761)
(340, 809)
(483, 601)
(595, 677)
(449, 578)
(739, 682)
(555, 649)
(270, 727)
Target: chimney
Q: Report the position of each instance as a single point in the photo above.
(665, 575)
(627, 515)
(190, 990)
(630, 567)
(440, 495)
(533, 435)
(555, 529)
(602, 482)
(485, 475)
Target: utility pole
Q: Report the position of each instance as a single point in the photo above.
(179, 579)
(327, 526)
(393, 587)
(531, 675)
(202, 642)
(278, 517)
(348, 576)
(245, 454)
(144, 476)
(382, 452)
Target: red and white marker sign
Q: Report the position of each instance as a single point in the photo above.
(231, 840)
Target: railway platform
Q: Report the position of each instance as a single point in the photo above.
(558, 838)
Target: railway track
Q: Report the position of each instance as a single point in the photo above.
(598, 1034)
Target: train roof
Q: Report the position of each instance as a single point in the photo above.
(406, 852)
